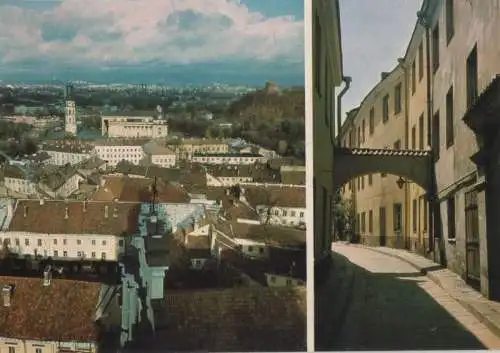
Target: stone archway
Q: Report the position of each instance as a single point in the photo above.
(352, 162)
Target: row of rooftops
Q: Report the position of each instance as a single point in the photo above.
(114, 218)
(77, 146)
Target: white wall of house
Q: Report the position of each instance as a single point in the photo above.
(252, 248)
(63, 158)
(285, 216)
(33, 346)
(92, 247)
(116, 153)
(229, 159)
(198, 264)
(226, 181)
(134, 127)
(164, 160)
(21, 186)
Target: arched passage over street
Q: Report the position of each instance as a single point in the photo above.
(352, 162)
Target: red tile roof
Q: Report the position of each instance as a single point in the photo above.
(126, 189)
(31, 216)
(279, 196)
(63, 311)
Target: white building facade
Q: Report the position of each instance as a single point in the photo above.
(226, 158)
(115, 152)
(133, 127)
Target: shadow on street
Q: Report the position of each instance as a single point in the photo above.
(380, 310)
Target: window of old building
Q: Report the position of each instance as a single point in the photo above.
(450, 210)
(397, 98)
(385, 108)
(472, 89)
(435, 48)
(413, 137)
(420, 61)
(413, 78)
(450, 137)
(414, 215)
(372, 121)
(421, 132)
(436, 141)
(450, 25)
(398, 217)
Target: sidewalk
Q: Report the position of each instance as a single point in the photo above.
(486, 311)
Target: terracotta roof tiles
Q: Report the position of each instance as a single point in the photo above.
(75, 217)
(63, 311)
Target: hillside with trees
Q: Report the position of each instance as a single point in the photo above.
(272, 119)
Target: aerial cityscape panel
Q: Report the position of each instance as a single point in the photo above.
(152, 179)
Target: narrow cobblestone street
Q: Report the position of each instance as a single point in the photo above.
(392, 306)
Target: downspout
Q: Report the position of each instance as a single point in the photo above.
(347, 80)
(337, 140)
(431, 198)
(407, 184)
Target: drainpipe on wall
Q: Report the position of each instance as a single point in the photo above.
(431, 196)
(407, 207)
(347, 81)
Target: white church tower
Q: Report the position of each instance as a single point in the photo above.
(70, 114)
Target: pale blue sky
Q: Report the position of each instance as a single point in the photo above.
(375, 34)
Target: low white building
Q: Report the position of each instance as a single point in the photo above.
(274, 249)
(133, 127)
(47, 181)
(159, 155)
(226, 158)
(114, 151)
(186, 148)
(67, 151)
(228, 175)
(277, 204)
(17, 179)
(70, 230)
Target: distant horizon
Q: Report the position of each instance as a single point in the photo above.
(181, 42)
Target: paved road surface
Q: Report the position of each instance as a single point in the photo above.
(393, 307)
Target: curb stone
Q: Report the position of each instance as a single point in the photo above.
(492, 325)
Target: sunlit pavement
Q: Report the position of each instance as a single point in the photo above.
(393, 306)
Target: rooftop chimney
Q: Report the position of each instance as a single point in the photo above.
(6, 294)
(106, 211)
(66, 212)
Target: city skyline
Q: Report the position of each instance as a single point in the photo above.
(171, 42)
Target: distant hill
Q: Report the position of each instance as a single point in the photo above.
(270, 104)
